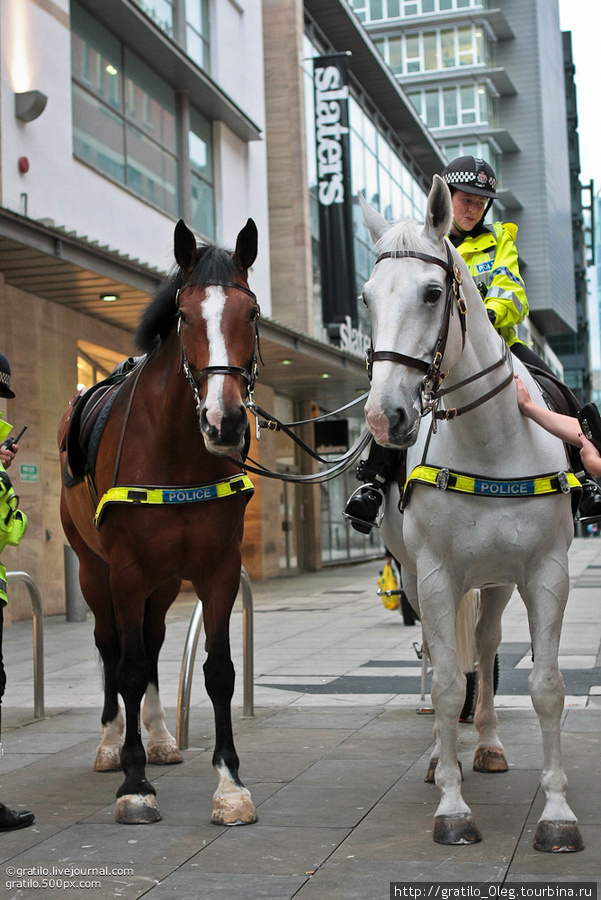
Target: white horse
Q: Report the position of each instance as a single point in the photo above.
(501, 515)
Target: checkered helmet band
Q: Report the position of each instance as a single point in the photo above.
(5, 379)
(480, 180)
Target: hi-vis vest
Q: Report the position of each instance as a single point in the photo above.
(492, 259)
(13, 521)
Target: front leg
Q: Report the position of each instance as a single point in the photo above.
(439, 599)
(232, 803)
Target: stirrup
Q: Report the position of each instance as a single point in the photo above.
(380, 514)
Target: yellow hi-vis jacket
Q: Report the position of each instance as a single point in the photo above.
(13, 521)
(492, 259)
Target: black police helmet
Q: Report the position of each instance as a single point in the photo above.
(471, 175)
(5, 390)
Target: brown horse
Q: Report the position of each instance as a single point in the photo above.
(171, 508)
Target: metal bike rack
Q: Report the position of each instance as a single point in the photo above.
(187, 670)
(38, 639)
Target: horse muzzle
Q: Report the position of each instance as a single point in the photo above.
(224, 433)
(392, 427)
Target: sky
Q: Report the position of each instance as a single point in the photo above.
(583, 19)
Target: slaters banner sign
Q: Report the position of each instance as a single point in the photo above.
(330, 74)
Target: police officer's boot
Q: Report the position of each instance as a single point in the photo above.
(364, 505)
(589, 508)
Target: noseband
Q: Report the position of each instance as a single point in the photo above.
(249, 375)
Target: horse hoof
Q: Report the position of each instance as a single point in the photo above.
(164, 755)
(137, 809)
(490, 759)
(234, 810)
(558, 837)
(429, 779)
(108, 759)
(456, 830)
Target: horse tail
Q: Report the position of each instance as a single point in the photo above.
(465, 628)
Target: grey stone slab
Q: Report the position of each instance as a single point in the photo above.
(549, 866)
(187, 884)
(26, 741)
(270, 850)
(316, 804)
(98, 885)
(360, 879)
(274, 739)
(143, 847)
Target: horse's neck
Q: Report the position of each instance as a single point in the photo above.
(493, 438)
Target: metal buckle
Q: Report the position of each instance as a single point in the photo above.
(564, 484)
(442, 479)
(457, 274)
(451, 413)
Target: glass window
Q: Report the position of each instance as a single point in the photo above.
(427, 6)
(394, 9)
(201, 165)
(149, 102)
(161, 13)
(430, 50)
(376, 10)
(96, 57)
(98, 135)
(466, 47)
(447, 47)
(467, 94)
(432, 109)
(124, 121)
(395, 54)
(449, 98)
(197, 32)
(413, 55)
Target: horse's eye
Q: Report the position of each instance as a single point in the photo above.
(364, 300)
(181, 316)
(254, 314)
(433, 294)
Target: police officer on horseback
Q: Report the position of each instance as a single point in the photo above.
(491, 256)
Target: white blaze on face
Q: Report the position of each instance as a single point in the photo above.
(212, 311)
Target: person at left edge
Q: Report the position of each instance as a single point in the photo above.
(13, 523)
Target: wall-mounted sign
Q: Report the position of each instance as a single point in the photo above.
(330, 74)
(27, 472)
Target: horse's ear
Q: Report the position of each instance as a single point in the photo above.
(184, 246)
(376, 224)
(246, 246)
(439, 214)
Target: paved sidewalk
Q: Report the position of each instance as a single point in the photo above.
(334, 757)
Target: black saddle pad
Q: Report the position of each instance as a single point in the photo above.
(90, 414)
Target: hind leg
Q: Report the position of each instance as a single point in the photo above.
(232, 804)
(489, 755)
(545, 595)
(161, 749)
(136, 798)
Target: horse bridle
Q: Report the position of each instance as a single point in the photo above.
(250, 374)
(433, 376)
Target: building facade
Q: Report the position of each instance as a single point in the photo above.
(487, 78)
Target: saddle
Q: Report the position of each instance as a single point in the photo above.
(84, 426)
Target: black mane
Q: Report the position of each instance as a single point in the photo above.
(215, 266)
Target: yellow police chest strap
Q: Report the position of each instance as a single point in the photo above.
(535, 486)
(161, 496)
